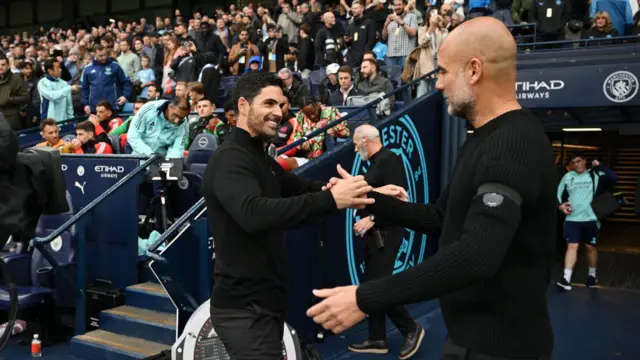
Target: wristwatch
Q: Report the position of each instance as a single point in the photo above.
(372, 217)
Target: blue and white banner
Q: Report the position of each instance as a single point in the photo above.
(580, 86)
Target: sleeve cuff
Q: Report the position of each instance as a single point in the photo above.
(325, 200)
(366, 297)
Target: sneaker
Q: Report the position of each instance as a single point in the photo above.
(563, 283)
(412, 343)
(370, 347)
(592, 281)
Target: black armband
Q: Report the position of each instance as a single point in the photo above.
(493, 194)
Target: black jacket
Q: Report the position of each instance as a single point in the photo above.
(252, 201)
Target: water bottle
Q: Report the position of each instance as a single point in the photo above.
(36, 346)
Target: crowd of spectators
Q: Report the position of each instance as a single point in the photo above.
(102, 70)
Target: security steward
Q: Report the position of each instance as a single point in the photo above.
(382, 240)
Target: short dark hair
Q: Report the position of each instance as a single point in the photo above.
(251, 84)
(86, 126)
(181, 103)
(105, 104)
(229, 105)
(345, 69)
(141, 100)
(157, 87)
(47, 122)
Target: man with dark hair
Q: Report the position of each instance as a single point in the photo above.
(13, 94)
(160, 127)
(104, 79)
(50, 132)
(253, 201)
(86, 141)
(55, 94)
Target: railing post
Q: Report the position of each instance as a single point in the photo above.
(81, 283)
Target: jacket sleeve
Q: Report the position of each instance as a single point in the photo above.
(561, 189)
(19, 94)
(137, 130)
(176, 151)
(235, 185)
(50, 94)
(125, 83)
(84, 81)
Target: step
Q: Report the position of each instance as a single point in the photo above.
(149, 296)
(104, 345)
(141, 323)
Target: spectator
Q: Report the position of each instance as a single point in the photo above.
(145, 76)
(430, 37)
(294, 89)
(400, 30)
(345, 78)
(183, 64)
(241, 52)
(160, 127)
(104, 79)
(550, 17)
(361, 35)
(289, 21)
(329, 84)
(86, 141)
(105, 117)
(370, 82)
(182, 90)
(327, 42)
(128, 60)
(30, 112)
(620, 13)
(13, 94)
(273, 48)
(305, 55)
(55, 94)
(196, 93)
(207, 121)
(601, 28)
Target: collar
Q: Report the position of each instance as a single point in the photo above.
(242, 137)
(495, 123)
(51, 78)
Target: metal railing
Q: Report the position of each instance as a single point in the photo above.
(80, 281)
(562, 45)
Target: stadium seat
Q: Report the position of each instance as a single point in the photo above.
(115, 143)
(393, 72)
(201, 149)
(128, 108)
(317, 76)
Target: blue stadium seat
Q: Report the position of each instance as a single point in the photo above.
(317, 76)
(201, 149)
(393, 72)
(228, 81)
(128, 108)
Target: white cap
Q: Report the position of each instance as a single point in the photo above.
(333, 69)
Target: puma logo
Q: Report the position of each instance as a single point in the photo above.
(81, 187)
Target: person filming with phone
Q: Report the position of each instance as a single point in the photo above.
(241, 52)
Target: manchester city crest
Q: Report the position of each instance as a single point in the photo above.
(620, 86)
(401, 137)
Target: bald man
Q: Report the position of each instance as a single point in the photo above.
(381, 242)
(495, 219)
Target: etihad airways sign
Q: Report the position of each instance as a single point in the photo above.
(526, 90)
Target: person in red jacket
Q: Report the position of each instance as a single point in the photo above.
(86, 141)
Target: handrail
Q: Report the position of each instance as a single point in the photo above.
(49, 238)
(367, 106)
(559, 42)
(175, 226)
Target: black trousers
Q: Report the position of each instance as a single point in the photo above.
(379, 263)
(249, 333)
(451, 351)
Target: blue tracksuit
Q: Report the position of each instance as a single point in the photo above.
(151, 133)
(104, 82)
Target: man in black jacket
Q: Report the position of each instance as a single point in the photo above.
(495, 219)
(361, 35)
(251, 200)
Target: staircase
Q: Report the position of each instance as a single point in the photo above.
(627, 166)
(143, 327)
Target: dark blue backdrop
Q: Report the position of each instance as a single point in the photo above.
(327, 253)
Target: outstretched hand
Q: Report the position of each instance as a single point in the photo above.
(349, 191)
(394, 191)
(338, 311)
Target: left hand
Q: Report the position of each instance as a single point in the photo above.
(338, 311)
(394, 191)
(595, 163)
(122, 100)
(363, 225)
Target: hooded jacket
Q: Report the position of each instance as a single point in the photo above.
(55, 99)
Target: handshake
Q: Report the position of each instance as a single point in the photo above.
(351, 191)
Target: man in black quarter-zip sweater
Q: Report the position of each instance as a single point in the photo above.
(495, 219)
(250, 201)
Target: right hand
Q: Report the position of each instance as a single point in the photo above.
(87, 109)
(565, 208)
(94, 119)
(351, 191)
(76, 143)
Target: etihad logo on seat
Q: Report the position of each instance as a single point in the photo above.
(106, 171)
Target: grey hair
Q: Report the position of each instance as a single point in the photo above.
(285, 71)
(366, 131)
